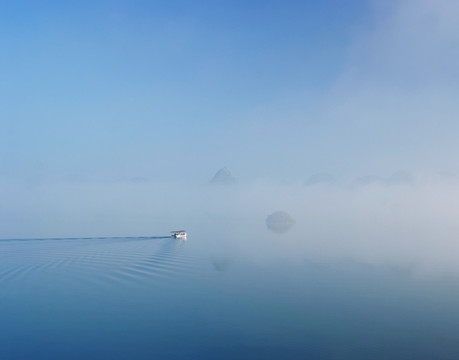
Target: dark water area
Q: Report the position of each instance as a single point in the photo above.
(162, 298)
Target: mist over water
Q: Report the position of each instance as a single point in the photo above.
(367, 270)
(406, 222)
(363, 270)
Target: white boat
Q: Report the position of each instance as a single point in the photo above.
(179, 234)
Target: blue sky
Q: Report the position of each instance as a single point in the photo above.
(115, 90)
(121, 89)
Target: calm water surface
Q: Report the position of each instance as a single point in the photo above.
(160, 298)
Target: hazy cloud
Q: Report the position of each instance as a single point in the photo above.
(397, 178)
(319, 178)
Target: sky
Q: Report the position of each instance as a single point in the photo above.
(119, 89)
(112, 112)
(113, 90)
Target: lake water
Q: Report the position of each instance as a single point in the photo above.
(161, 298)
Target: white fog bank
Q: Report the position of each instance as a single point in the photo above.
(412, 226)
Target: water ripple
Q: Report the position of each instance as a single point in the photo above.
(101, 260)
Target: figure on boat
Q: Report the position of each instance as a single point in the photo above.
(178, 234)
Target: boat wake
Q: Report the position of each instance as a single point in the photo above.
(101, 260)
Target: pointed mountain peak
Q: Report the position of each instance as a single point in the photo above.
(223, 176)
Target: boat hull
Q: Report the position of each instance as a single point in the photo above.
(179, 235)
